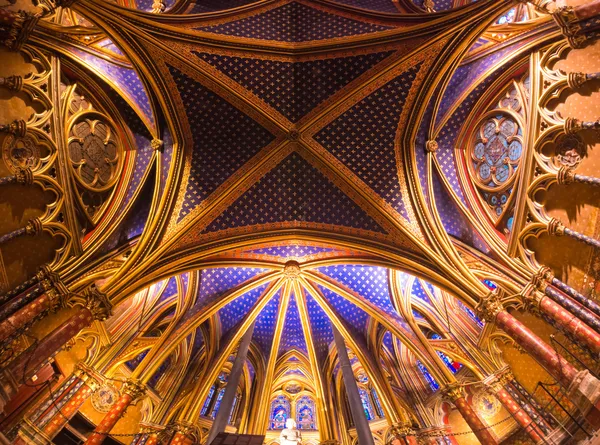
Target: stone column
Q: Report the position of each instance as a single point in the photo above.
(556, 228)
(233, 381)
(584, 308)
(33, 227)
(20, 320)
(566, 321)
(363, 430)
(481, 430)
(583, 388)
(31, 282)
(56, 412)
(533, 408)
(184, 434)
(579, 24)
(494, 385)
(15, 28)
(94, 306)
(152, 439)
(404, 434)
(131, 390)
(22, 176)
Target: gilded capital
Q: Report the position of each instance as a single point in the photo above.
(453, 392)
(14, 83)
(24, 176)
(17, 128)
(489, 307)
(399, 430)
(566, 175)
(556, 228)
(431, 146)
(96, 301)
(134, 388)
(34, 227)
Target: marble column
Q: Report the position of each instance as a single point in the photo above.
(92, 306)
(16, 323)
(22, 176)
(184, 434)
(233, 381)
(583, 388)
(363, 430)
(564, 320)
(64, 402)
(495, 386)
(131, 390)
(33, 227)
(546, 421)
(478, 427)
(556, 228)
(404, 434)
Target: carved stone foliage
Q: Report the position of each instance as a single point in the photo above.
(496, 149)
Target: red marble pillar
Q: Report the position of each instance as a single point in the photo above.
(181, 438)
(570, 324)
(132, 389)
(583, 388)
(479, 428)
(67, 411)
(27, 315)
(152, 439)
(522, 418)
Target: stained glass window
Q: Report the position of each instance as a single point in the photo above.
(364, 397)
(211, 392)
(435, 336)
(305, 413)
(432, 383)
(280, 411)
(490, 284)
(471, 314)
(217, 403)
(378, 407)
(452, 365)
(233, 405)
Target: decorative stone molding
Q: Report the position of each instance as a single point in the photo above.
(14, 83)
(24, 176)
(134, 388)
(489, 307)
(20, 29)
(565, 175)
(431, 146)
(452, 392)
(556, 228)
(156, 144)
(17, 128)
(96, 301)
(399, 430)
(292, 269)
(33, 227)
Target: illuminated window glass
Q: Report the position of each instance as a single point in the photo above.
(378, 407)
(280, 411)
(364, 397)
(218, 403)
(430, 380)
(233, 405)
(452, 365)
(305, 413)
(211, 392)
(471, 314)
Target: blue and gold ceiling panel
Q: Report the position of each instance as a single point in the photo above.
(294, 191)
(294, 88)
(320, 326)
(218, 281)
(363, 138)
(231, 314)
(371, 5)
(370, 282)
(224, 139)
(203, 6)
(292, 336)
(294, 22)
(351, 313)
(264, 328)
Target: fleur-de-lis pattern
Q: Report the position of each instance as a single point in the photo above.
(294, 88)
(294, 22)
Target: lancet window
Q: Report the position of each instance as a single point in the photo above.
(280, 412)
(305, 413)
